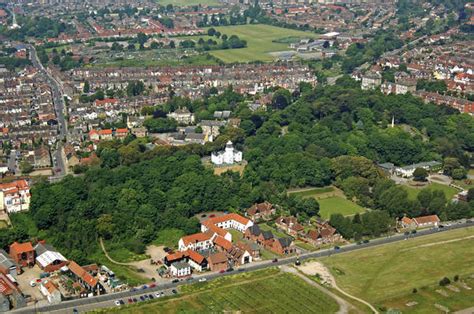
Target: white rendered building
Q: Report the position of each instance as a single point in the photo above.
(228, 156)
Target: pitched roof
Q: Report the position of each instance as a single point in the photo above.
(195, 256)
(215, 229)
(254, 230)
(231, 216)
(426, 219)
(82, 274)
(260, 208)
(17, 248)
(285, 242)
(220, 241)
(176, 256)
(197, 237)
(50, 286)
(406, 220)
(218, 258)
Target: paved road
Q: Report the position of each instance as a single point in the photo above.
(107, 299)
(59, 107)
(12, 164)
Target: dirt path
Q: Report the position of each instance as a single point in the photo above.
(466, 311)
(344, 306)
(108, 256)
(313, 268)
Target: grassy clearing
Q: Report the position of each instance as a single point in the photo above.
(448, 191)
(3, 224)
(186, 3)
(140, 62)
(169, 237)
(275, 232)
(312, 192)
(267, 291)
(120, 254)
(260, 42)
(127, 274)
(338, 205)
(386, 275)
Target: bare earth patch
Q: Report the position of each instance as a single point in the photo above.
(316, 268)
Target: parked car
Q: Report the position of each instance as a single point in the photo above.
(189, 278)
(337, 248)
(229, 269)
(222, 271)
(202, 279)
(166, 249)
(130, 300)
(413, 232)
(203, 216)
(174, 291)
(175, 280)
(33, 283)
(118, 302)
(135, 300)
(275, 260)
(142, 298)
(366, 241)
(144, 287)
(150, 296)
(212, 216)
(157, 294)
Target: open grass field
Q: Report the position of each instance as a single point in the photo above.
(448, 191)
(120, 254)
(386, 276)
(127, 274)
(267, 291)
(260, 42)
(338, 205)
(186, 3)
(312, 192)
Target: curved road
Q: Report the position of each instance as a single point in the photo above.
(107, 299)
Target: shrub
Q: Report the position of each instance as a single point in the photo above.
(456, 278)
(415, 290)
(444, 282)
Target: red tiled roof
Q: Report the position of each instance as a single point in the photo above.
(215, 229)
(124, 130)
(220, 241)
(195, 256)
(218, 258)
(81, 273)
(18, 248)
(176, 256)
(197, 237)
(426, 219)
(105, 132)
(228, 217)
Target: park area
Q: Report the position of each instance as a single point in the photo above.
(449, 191)
(266, 291)
(261, 42)
(331, 201)
(386, 276)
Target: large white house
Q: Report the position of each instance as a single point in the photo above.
(196, 242)
(15, 196)
(229, 221)
(182, 116)
(228, 156)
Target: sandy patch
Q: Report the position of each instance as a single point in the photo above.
(316, 268)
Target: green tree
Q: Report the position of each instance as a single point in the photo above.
(420, 174)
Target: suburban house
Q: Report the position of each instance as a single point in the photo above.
(197, 261)
(175, 257)
(420, 222)
(8, 265)
(252, 248)
(218, 261)
(182, 116)
(48, 258)
(261, 211)
(239, 256)
(15, 196)
(371, 80)
(180, 269)
(322, 235)
(290, 225)
(229, 156)
(282, 245)
(51, 292)
(197, 241)
(23, 254)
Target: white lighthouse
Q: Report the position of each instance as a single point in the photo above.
(228, 156)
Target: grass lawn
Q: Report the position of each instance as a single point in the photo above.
(338, 205)
(185, 3)
(267, 291)
(305, 246)
(120, 254)
(387, 274)
(448, 191)
(312, 192)
(260, 42)
(201, 59)
(3, 224)
(169, 237)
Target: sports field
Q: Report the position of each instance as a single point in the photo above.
(386, 276)
(260, 43)
(267, 291)
(448, 191)
(338, 205)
